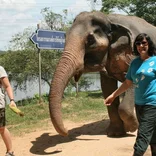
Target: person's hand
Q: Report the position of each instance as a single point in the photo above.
(12, 104)
(108, 101)
(14, 108)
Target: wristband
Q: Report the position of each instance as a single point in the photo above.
(11, 100)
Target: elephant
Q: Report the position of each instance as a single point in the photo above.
(98, 42)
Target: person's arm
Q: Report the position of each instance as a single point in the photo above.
(7, 86)
(124, 86)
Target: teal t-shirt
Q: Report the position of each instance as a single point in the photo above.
(143, 75)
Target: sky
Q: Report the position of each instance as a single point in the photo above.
(17, 15)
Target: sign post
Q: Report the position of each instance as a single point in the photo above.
(39, 68)
(47, 39)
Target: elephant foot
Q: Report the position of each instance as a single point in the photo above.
(115, 130)
(131, 124)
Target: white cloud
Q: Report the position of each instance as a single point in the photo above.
(82, 5)
(79, 6)
(14, 19)
(11, 24)
(20, 5)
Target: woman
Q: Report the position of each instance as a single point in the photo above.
(142, 73)
(4, 82)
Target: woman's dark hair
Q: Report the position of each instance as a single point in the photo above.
(139, 38)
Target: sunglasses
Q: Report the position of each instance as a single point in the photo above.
(143, 43)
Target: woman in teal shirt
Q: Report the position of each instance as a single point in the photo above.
(142, 73)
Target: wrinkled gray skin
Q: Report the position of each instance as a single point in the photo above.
(104, 43)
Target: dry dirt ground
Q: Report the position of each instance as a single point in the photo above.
(85, 139)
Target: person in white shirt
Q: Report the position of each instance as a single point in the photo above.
(4, 82)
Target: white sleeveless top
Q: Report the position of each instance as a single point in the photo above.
(2, 96)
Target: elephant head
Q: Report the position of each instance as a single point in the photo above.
(95, 42)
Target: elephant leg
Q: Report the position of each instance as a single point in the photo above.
(116, 126)
(127, 112)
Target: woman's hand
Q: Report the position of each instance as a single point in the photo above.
(124, 86)
(12, 104)
(108, 101)
(14, 108)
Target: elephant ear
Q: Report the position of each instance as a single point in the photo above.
(118, 31)
(126, 24)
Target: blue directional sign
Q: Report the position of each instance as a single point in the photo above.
(48, 39)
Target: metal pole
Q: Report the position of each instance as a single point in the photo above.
(39, 68)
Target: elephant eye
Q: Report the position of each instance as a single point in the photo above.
(90, 39)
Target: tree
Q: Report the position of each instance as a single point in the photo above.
(21, 40)
(55, 21)
(22, 66)
(145, 9)
(84, 83)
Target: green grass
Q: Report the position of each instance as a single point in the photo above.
(86, 106)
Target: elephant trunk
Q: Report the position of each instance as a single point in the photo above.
(66, 68)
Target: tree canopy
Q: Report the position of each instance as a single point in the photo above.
(145, 9)
(22, 66)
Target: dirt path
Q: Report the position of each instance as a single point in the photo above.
(85, 139)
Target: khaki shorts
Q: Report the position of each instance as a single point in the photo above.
(2, 117)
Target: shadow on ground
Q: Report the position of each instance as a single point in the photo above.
(46, 141)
